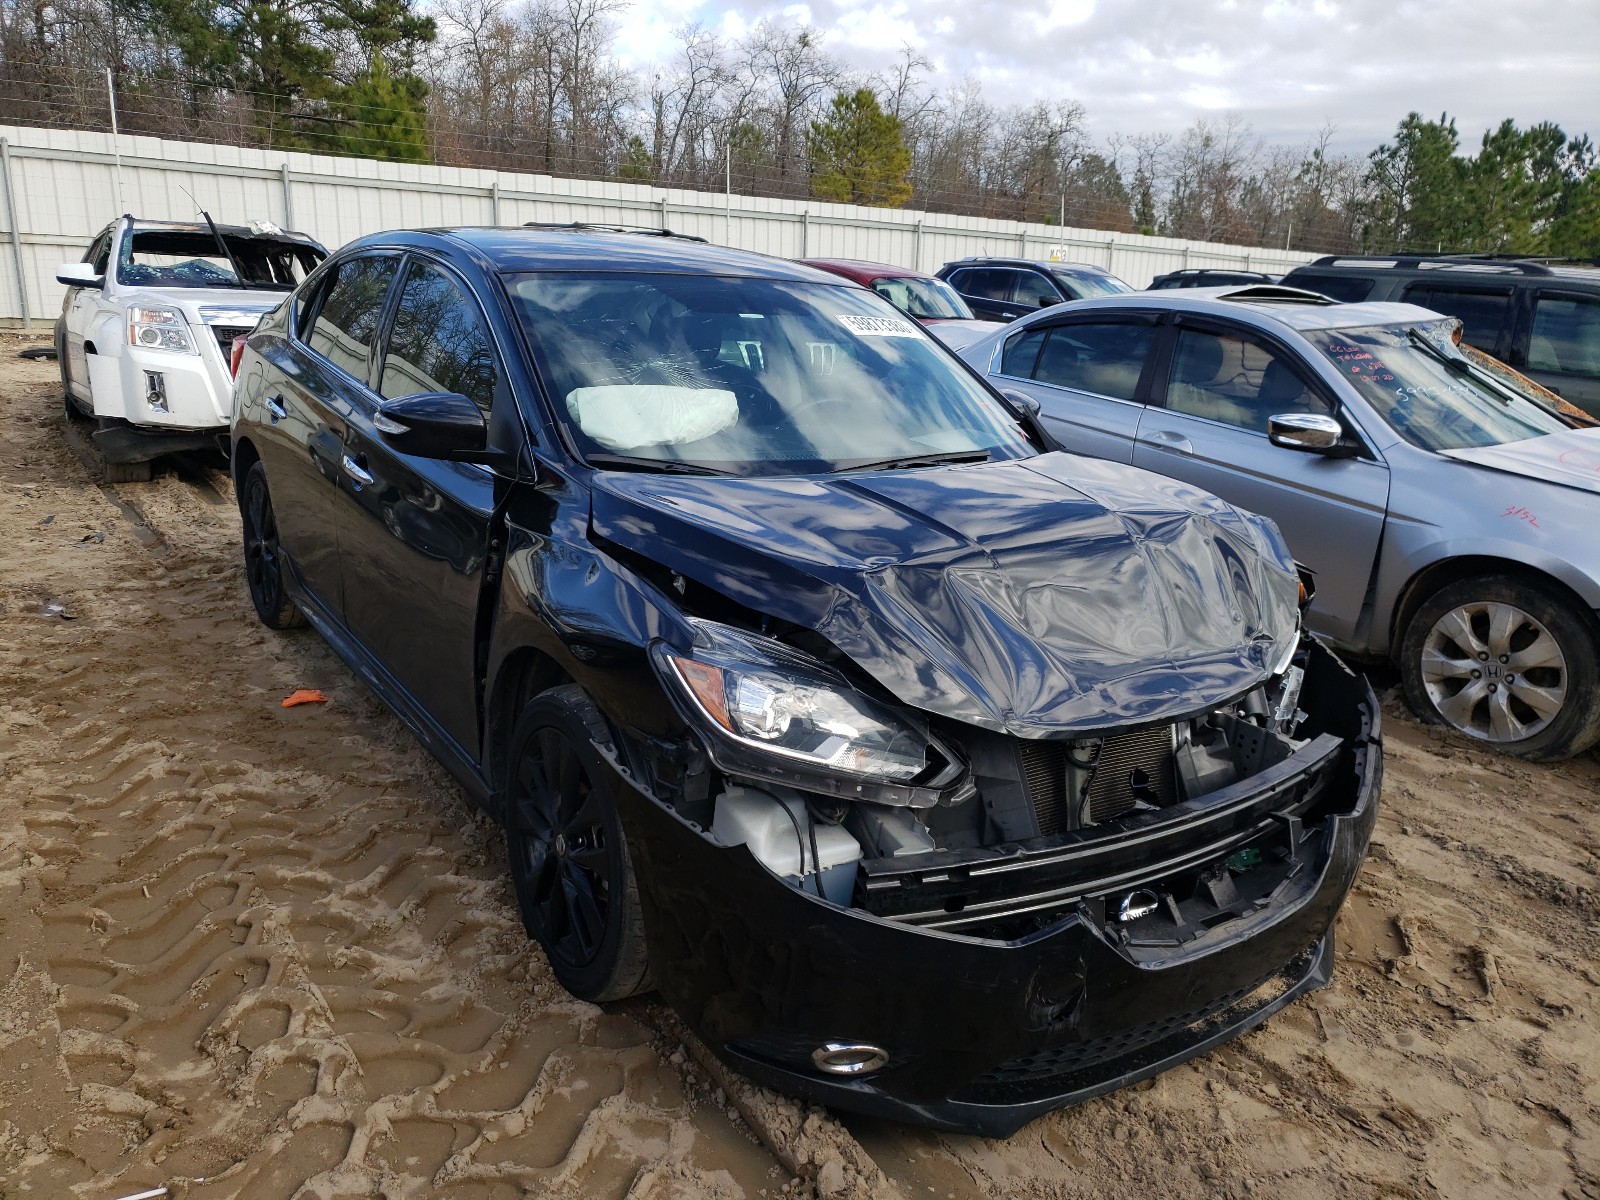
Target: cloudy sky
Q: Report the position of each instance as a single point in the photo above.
(1285, 66)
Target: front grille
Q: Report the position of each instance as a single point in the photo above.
(1044, 773)
(225, 335)
(1059, 1069)
(1131, 768)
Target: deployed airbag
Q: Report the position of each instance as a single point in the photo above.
(627, 416)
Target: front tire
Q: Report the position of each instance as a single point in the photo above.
(570, 865)
(264, 568)
(1506, 662)
(125, 472)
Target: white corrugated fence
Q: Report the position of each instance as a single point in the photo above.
(62, 187)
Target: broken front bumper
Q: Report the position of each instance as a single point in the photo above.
(983, 1035)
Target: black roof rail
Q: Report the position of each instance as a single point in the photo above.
(584, 227)
(1519, 263)
(1214, 271)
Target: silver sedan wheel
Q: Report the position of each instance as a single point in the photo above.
(1494, 672)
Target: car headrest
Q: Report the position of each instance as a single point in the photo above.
(1280, 385)
(1199, 359)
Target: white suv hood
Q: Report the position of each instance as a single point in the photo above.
(1571, 458)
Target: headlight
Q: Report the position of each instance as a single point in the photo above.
(774, 713)
(159, 329)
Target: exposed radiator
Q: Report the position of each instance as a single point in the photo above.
(1132, 767)
(1044, 773)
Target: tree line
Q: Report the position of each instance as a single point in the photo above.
(536, 85)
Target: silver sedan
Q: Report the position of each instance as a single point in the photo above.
(1447, 514)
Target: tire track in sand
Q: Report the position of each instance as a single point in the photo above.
(270, 950)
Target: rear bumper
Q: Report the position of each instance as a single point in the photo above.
(984, 1035)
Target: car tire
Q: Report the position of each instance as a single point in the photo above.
(570, 865)
(1506, 662)
(264, 568)
(124, 472)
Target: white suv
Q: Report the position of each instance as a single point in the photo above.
(148, 324)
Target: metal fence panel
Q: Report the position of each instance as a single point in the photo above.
(64, 186)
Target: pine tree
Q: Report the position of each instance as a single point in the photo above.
(858, 155)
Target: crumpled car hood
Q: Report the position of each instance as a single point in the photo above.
(1039, 597)
(1571, 458)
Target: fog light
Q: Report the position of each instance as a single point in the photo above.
(849, 1058)
(155, 391)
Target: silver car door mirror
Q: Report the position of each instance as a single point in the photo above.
(1312, 432)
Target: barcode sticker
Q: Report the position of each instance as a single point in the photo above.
(878, 326)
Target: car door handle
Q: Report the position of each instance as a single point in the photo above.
(275, 408)
(1167, 440)
(357, 472)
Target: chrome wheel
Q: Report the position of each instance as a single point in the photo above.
(1494, 671)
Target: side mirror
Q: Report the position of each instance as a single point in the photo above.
(1311, 432)
(434, 425)
(1047, 301)
(1020, 403)
(79, 274)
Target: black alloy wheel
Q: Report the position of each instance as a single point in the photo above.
(570, 865)
(263, 560)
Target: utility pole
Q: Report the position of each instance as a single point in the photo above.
(727, 196)
(116, 142)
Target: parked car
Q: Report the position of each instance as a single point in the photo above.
(1446, 514)
(1193, 277)
(147, 325)
(1003, 289)
(1540, 316)
(932, 301)
(925, 773)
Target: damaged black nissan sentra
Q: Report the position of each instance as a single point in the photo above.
(925, 772)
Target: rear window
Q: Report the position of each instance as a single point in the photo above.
(1347, 289)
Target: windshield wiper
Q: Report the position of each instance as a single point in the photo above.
(666, 466)
(1465, 366)
(919, 460)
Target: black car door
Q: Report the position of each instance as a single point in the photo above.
(988, 292)
(308, 389)
(415, 538)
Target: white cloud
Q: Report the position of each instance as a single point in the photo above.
(1285, 66)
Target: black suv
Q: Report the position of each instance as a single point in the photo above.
(1003, 289)
(924, 771)
(1540, 316)
(1199, 277)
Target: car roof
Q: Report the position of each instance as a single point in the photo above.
(861, 269)
(1264, 306)
(143, 225)
(590, 248)
(1038, 264)
(1455, 266)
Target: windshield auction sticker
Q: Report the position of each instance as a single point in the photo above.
(877, 326)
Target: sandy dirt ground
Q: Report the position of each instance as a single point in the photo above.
(263, 952)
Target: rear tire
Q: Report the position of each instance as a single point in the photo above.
(570, 865)
(264, 568)
(1505, 662)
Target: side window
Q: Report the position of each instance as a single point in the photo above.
(1346, 289)
(1228, 379)
(1566, 335)
(1106, 359)
(1035, 289)
(345, 322)
(100, 253)
(438, 343)
(1022, 351)
(1483, 314)
(987, 283)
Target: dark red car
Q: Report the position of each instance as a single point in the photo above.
(931, 301)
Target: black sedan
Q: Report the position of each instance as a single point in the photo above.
(924, 771)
